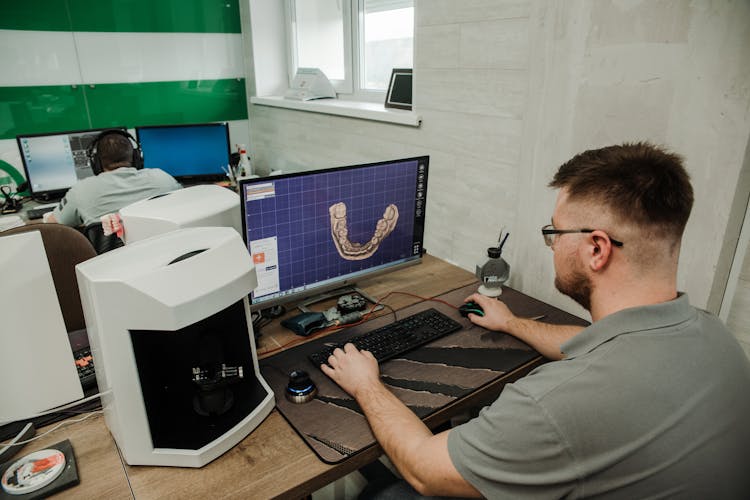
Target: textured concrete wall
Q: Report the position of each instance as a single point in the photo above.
(508, 90)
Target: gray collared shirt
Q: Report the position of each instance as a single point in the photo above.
(108, 192)
(650, 402)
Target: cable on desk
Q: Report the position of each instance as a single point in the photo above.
(64, 422)
(365, 317)
(268, 314)
(60, 409)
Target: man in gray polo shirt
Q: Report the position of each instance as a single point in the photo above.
(118, 183)
(651, 400)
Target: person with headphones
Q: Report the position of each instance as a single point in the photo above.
(119, 180)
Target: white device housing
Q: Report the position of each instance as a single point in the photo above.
(308, 84)
(37, 368)
(138, 287)
(203, 205)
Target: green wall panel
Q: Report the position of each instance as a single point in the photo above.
(41, 15)
(163, 103)
(139, 16)
(30, 110)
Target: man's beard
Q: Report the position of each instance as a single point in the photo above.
(577, 286)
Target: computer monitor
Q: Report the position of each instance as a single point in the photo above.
(311, 232)
(187, 152)
(53, 162)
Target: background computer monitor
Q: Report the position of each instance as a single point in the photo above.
(302, 245)
(187, 152)
(53, 162)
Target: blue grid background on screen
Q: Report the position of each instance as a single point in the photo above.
(298, 216)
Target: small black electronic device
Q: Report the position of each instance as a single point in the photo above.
(300, 388)
(350, 303)
(396, 338)
(9, 204)
(399, 93)
(306, 323)
(93, 154)
(470, 307)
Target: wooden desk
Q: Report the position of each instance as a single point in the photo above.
(100, 469)
(273, 461)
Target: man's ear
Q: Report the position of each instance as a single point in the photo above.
(599, 248)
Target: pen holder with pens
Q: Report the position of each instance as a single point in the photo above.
(494, 272)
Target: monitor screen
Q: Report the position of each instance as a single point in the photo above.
(314, 231)
(54, 162)
(186, 152)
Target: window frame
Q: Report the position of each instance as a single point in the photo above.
(350, 88)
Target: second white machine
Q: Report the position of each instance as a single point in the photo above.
(169, 325)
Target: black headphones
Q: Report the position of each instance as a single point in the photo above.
(95, 161)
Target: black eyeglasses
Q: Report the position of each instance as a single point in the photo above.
(549, 233)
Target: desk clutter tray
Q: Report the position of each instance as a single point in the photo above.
(426, 379)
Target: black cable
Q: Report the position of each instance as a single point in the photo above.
(268, 314)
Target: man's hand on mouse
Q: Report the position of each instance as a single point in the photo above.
(496, 313)
(353, 370)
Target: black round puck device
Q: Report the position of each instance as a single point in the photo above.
(300, 388)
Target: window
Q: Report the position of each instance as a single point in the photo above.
(356, 43)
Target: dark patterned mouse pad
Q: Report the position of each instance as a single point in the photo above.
(426, 379)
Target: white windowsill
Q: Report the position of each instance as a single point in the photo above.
(352, 109)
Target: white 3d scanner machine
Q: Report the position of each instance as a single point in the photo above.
(194, 206)
(169, 324)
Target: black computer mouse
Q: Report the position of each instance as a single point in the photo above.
(470, 307)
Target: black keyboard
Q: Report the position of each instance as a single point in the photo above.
(38, 213)
(396, 338)
(85, 364)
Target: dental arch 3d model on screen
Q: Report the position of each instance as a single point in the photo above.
(359, 251)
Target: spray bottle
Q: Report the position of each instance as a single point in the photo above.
(244, 169)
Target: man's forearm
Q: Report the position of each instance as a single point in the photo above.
(421, 457)
(543, 337)
(399, 431)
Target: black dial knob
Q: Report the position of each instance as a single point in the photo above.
(300, 388)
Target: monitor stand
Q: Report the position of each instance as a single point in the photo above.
(339, 292)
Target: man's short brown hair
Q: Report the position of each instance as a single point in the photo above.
(114, 151)
(639, 183)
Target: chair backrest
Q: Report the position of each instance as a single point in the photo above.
(95, 234)
(65, 247)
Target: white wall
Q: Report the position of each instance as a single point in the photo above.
(510, 89)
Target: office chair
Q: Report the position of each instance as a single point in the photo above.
(65, 247)
(101, 243)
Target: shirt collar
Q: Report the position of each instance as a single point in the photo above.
(630, 320)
